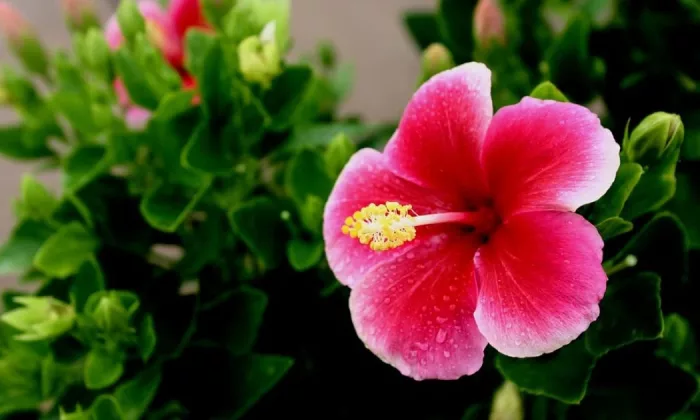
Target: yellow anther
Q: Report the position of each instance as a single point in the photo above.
(382, 227)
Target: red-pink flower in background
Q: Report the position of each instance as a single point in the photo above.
(14, 26)
(164, 29)
(186, 14)
(463, 232)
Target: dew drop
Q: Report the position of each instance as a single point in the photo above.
(423, 361)
(441, 336)
(509, 325)
(387, 300)
(453, 307)
(453, 288)
(446, 354)
(446, 298)
(441, 320)
(411, 255)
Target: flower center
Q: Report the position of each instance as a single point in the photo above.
(390, 225)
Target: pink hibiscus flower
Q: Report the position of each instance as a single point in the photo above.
(472, 238)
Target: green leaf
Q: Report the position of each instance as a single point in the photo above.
(175, 104)
(253, 377)
(323, 134)
(286, 93)
(76, 108)
(242, 310)
(147, 337)
(102, 369)
(306, 175)
(83, 165)
(88, 280)
(26, 239)
(611, 204)
(166, 206)
(106, 407)
(562, 375)
(678, 344)
(630, 311)
(36, 202)
(660, 247)
(423, 28)
(686, 204)
(215, 80)
(569, 63)
(455, 25)
(65, 251)
(196, 42)
(311, 214)
(612, 227)
(209, 150)
(260, 226)
(303, 255)
(547, 90)
(135, 396)
(134, 79)
(15, 144)
(338, 153)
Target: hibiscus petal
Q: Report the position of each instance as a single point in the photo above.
(438, 142)
(417, 314)
(540, 282)
(367, 179)
(547, 155)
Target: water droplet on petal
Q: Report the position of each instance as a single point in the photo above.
(441, 336)
(446, 298)
(411, 255)
(446, 354)
(441, 320)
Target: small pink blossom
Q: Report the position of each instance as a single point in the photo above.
(489, 22)
(472, 238)
(13, 25)
(159, 29)
(79, 12)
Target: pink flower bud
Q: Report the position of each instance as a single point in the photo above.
(489, 22)
(13, 25)
(80, 14)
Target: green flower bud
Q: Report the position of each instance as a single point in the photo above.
(40, 318)
(436, 58)
(507, 403)
(80, 14)
(339, 151)
(23, 40)
(96, 51)
(657, 135)
(259, 57)
(111, 310)
(130, 19)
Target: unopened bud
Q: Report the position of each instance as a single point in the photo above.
(259, 57)
(40, 318)
(80, 14)
(23, 40)
(96, 52)
(130, 19)
(111, 310)
(489, 23)
(436, 59)
(653, 138)
(507, 403)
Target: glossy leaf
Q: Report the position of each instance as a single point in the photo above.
(285, 94)
(83, 165)
(106, 407)
(455, 25)
(17, 254)
(165, 207)
(135, 396)
(307, 175)
(147, 337)
(678, 344)
(686, 205)
(259, 224)
(65, 251)
(36, 201)
(630, 311)
(14, 144)
(611, 204)
(612, 227)
(547, 90)
(102, 369)
(254, 376)
(562, 375)
(87, 281)
(303, 255)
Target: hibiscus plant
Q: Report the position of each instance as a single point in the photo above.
(225, 244)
